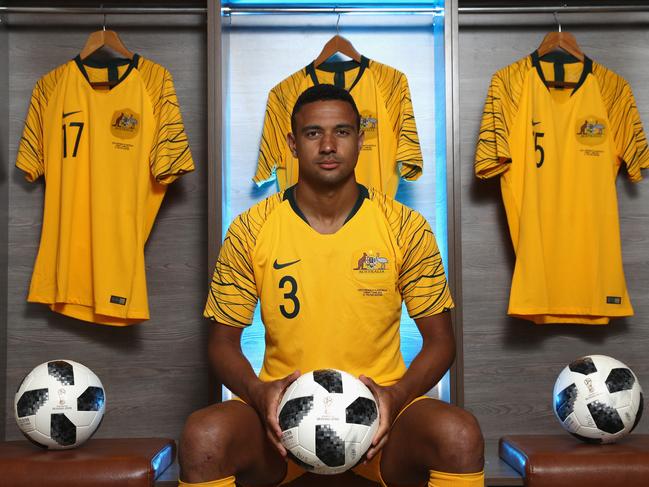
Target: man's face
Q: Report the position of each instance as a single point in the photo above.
(326, 142)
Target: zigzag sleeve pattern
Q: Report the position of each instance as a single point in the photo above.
(31, 155)
(393, 86)
(422, 280)
(626, 126)
(232, 296)
(493, 153)
(277, 123)
(170, 156)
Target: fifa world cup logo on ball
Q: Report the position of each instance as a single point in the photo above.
(61, 392)
(327, 402)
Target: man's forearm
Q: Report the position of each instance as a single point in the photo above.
(427, 369)
(229, 364)
(433, 360)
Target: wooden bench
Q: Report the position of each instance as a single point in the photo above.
(124, 462)
(564, 461)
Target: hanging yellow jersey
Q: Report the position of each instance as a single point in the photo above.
(107, 154)
(558, 151)
(329, 301)
(391, 147)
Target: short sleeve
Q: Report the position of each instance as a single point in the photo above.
(630, 139)
(422, 279)
(272, 149)
(30, 158)
(232, 295)
(492, 153)
(409, 156)
(170, 156)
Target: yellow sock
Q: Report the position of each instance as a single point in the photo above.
(226, 482)
(445, 479)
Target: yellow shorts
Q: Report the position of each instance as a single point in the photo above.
(370, 470)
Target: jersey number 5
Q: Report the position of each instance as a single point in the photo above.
(291, 296)
(538, 148)
(79, 127)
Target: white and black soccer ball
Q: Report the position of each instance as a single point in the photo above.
(59, 404)
(598, 399)
(328, 420)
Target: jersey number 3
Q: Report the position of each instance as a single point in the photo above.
(291, 295)
(79, 127)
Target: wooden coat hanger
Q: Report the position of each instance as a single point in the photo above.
(564, 41)
(337, 44)
(107, 38)
(560, 40)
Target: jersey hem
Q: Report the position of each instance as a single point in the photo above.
(569, 316)
(30, 175)
(260, 182)
(219, 322)
(87, 312)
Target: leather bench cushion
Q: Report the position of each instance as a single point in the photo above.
(98, 463)
(564, 461)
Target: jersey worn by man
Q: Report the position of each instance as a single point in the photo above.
(329, 301)
(558, 151)
(107, 155)
(391, 146)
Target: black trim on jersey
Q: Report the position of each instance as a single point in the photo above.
(338, 68)
(588, 67)
(363, 193)
(112, 66)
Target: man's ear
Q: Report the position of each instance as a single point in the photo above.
(361, 139)
(290, 140)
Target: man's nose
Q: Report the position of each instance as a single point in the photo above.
(328, 144)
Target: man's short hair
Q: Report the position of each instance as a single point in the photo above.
(324, 92)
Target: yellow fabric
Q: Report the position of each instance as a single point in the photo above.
(558, 153)
(391, 147)
(107, 156)
(226, 482)
(329, 301)
(445, 479)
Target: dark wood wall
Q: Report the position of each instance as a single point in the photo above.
(510, 365)
(4, 198)
(154, 373)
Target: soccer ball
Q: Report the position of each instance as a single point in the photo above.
(598, 399)
(59, 404)
(328, 420)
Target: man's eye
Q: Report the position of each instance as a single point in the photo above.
(312, 133)
(343, 132)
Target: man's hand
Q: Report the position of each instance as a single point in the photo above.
(265, 398)
(390, 402)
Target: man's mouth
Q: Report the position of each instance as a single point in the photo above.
(329, 164)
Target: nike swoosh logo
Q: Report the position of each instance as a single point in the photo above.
(277, 265)
(535, 123)
(70, 113)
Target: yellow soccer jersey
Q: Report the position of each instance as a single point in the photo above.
(558, 152)
(107, 156)
(391, 147)
(329, 301)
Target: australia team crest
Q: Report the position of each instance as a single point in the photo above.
(591, 130)
(125, 124)
(369, 125)
(370, 262)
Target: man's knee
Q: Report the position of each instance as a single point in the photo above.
(206, 437)
(460, 443)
